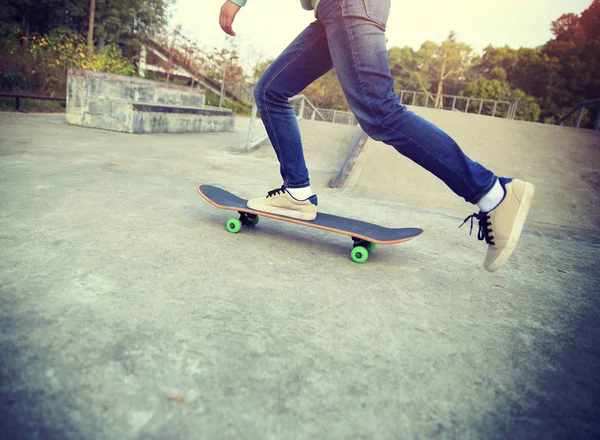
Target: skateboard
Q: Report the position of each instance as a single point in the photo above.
(364, 235)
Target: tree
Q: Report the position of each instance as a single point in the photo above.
(576, 49)
(90, 41)
(527, 69)
(129, 22)
(260, 68)
(431, 66)
(451, 60)
(126, 22)
(500, 90)
(590, 21)
(326, 92)
(411, 69)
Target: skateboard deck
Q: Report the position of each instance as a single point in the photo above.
(364, 235)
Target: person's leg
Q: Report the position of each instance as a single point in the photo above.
(355, 33)
(302, 62)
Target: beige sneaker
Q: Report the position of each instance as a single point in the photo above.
(280, 202)
(501, 227)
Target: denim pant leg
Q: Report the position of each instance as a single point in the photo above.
(355, 33)
(302, 62)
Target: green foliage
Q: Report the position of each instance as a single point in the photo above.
(261, 68)
(560, 74)
(527, 109)
(326, 92)
(239, 109)
(129, 22)
(410, 68)
(431, 67)
(548, 81)
(529, 70)
(212, 99)
(488, 89)
(125, 22)
(30, 105)
(108, 59)
(39, 64)
(576, 50)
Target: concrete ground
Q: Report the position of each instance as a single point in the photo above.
(128, 312)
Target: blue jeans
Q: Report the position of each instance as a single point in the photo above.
(348, 35)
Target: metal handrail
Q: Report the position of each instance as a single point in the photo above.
(310, 104)
(511, 105)
(252, 142)
(580, 107)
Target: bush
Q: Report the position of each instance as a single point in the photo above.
(527, 109)
(30, 105)
(39, 65)
(212, 99)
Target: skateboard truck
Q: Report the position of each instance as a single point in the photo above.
(248, 219)
(364, 243)
(361, 249)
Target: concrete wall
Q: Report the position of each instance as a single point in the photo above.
(167, 122)
(105, 101)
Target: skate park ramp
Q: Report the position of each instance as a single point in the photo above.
(562, 162)
(127, 311)
(325, 148)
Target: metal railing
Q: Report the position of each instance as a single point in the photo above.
(579, 108)
(304, 109)
(486, 107)
(18, 97)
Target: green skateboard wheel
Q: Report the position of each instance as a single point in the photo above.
(255, 221)
(359, 254)
(371, 247)
(234, 225)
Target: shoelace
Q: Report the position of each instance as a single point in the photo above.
(276, 192)
(484, 226)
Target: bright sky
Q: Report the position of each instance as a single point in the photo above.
(265, 27)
